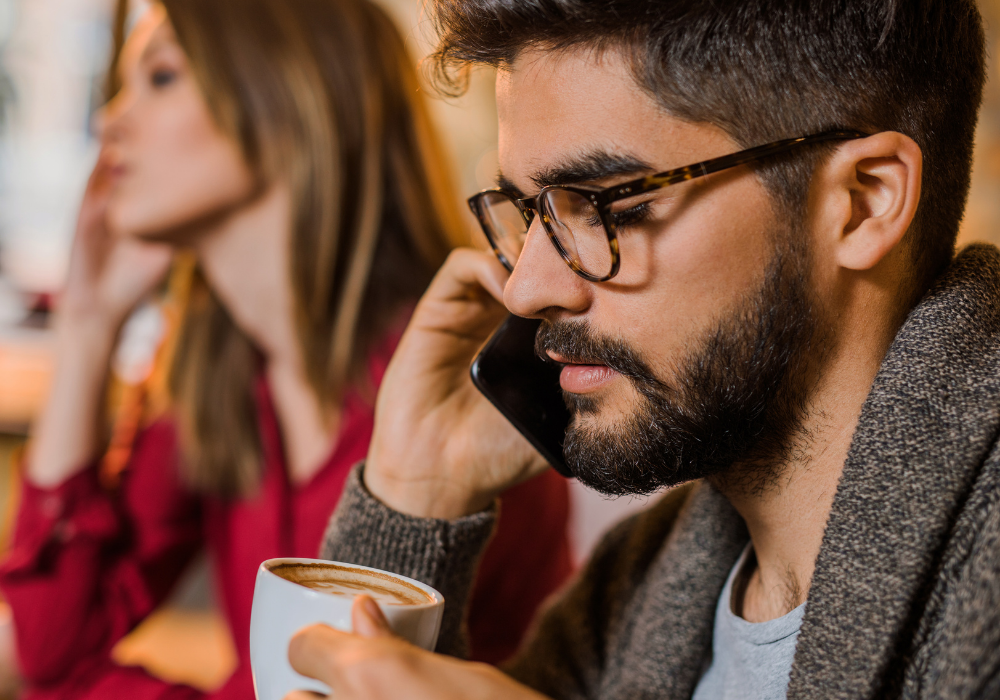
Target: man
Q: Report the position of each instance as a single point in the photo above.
(786, 331)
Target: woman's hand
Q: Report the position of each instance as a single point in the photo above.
(440, 449)
(108, 274)
(373, 664)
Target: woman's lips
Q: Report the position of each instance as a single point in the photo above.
(579, 378)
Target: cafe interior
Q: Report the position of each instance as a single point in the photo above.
(53, 55)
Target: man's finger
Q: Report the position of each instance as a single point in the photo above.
(313, 651)
(465, 270)
(368, 619)
(304, 695)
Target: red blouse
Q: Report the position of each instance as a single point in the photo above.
(86, 566)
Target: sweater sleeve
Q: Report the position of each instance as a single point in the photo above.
(441, 553)
(564, 657)
(86, 565)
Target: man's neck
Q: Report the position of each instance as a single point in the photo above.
(787, 519)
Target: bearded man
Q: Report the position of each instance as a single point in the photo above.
(736, 221)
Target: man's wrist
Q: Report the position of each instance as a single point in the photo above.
(431, 498)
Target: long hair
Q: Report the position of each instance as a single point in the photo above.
(321, 95)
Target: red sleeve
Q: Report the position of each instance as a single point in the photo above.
(527, 560)
(86, 565)
(103, 680)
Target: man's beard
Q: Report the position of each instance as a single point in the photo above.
(734, 409)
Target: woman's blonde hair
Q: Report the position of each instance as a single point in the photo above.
(321, 95)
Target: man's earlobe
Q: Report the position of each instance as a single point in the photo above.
(877, 184)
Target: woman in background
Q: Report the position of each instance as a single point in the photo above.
(282, 142)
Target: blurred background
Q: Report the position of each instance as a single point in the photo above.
(53, 54)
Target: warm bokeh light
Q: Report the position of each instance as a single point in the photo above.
(982, 216)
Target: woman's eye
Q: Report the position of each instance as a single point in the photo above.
(162, 77)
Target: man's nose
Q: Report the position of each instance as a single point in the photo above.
(542, 283)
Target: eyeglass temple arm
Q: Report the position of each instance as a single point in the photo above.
(691, 172)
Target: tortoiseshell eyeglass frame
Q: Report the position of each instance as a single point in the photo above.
(603, 198)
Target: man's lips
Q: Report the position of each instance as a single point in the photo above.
(580, 377)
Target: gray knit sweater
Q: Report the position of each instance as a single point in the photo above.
(905, 599)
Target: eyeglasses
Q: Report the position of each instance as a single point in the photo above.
(581, 221)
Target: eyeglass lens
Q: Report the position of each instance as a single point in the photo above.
(567, 216)
(505, 224)
(579, 230)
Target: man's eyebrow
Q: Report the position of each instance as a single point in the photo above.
(591, 167)
(506, 185)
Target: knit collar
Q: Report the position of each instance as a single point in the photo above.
(926, 428)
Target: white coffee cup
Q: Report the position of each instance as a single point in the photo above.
(282, 607)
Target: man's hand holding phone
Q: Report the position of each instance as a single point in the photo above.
(440, 449)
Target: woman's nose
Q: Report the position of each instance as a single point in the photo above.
(99, 123)
(106, 122)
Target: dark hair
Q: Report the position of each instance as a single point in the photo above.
(763, 70)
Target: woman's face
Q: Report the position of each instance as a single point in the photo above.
(170, 164)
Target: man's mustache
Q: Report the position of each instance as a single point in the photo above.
(578, 343)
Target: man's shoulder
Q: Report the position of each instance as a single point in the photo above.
(972, 578)
(973, 550)
(961, 653)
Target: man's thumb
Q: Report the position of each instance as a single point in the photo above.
(367, 618)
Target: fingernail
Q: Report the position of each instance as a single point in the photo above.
(373, 610)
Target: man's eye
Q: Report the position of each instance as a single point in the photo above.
(623, 219)
(161, 78)
(631, 216)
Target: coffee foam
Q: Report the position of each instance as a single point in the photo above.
(333, 579)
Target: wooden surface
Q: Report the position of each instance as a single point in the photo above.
(25, 374)
(181, 645)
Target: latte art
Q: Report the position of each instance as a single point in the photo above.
(345, 581)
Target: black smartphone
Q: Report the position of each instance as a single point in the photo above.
(524, 388)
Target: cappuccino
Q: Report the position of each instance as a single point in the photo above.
(338, 580)
(293, 593)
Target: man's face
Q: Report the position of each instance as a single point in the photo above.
(709, 280)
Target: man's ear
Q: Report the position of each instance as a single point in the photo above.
(868, 194)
